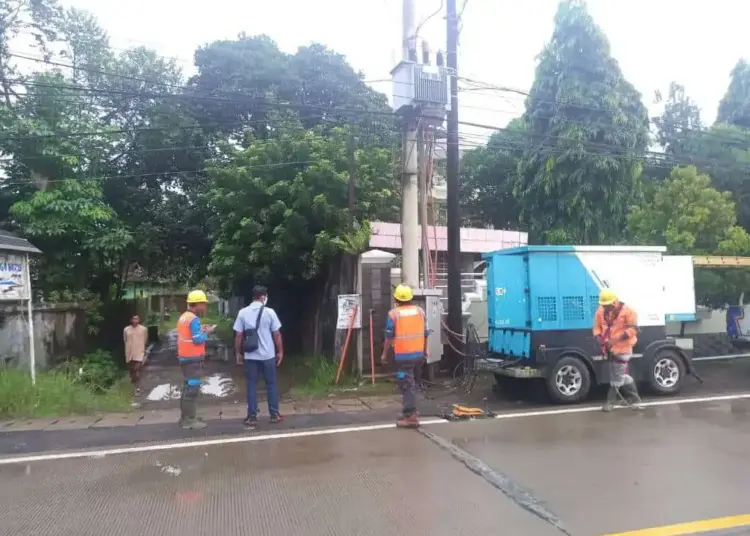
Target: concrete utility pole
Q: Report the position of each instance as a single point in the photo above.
(423, 179)
(455, 320)
(410, 192)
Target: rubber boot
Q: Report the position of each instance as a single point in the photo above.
(630, 391)
(409, 421)
(609, 405)
(189, 420)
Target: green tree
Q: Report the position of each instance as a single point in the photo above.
(488, 174)
(36, 18)
(587, 130)
(734, 107)
(690, 217)
(79, 234)
(678, 122)
(284, 204)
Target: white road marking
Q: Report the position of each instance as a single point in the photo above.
(721, 357)
(332, 431)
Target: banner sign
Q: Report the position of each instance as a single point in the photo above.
(347, 303)
(13, 278)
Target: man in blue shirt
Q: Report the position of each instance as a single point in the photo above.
(258, 327)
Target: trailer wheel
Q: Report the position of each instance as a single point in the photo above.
(569, 381)
(666, 373)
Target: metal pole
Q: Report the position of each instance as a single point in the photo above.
(422, 164)
(410, 190)
(32, 351)
(455, 321)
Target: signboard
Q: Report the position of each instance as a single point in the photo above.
(346, 309)
(13, 278)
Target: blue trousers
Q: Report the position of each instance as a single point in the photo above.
(267, 369)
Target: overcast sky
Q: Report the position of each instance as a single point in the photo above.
(695, 43)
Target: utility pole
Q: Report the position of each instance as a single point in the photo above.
(422, 163)
(455, 316)
(410, 191)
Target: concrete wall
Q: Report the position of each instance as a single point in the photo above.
(59, 332)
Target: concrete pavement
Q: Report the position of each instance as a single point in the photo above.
(676, 468)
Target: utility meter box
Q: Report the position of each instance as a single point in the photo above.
(418, 84)
(430, 301)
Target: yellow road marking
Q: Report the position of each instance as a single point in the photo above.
(693, 527)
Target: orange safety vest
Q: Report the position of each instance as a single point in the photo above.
(409, 332)
(619, 327)
(186, 348)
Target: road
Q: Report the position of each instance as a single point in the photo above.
(575, 470)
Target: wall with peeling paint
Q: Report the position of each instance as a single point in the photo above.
(59, 332)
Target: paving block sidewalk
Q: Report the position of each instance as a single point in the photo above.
(213, 411)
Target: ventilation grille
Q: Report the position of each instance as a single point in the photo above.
(573, 308)
(547, 308)
(593, 305)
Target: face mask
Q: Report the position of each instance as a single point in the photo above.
(265, 300)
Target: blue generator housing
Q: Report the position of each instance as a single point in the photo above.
(548, 295)
(541, 304)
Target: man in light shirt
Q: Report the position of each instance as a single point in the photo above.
(259, 348)
(136, 338)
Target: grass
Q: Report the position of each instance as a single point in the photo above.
(315, 376)
(56, 394)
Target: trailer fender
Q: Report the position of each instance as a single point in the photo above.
(550, 356)
(653, 349)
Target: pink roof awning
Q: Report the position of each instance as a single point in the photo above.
(388, 236)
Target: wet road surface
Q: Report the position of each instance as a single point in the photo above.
(586, 472)
(721, 378)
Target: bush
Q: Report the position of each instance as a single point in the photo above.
(98, 370)
(56, 393)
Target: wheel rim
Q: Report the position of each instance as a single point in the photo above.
(666, 372)
(569, 380)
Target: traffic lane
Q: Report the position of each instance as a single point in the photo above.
(31, 441)
(611, 473)
(365, 483)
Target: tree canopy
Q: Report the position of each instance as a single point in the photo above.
(587, 129)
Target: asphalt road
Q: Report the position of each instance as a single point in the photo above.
(675, 469)
(719, 378)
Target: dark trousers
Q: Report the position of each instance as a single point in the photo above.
(407, 386)
(192, 373)
(418, 373)
(134, 368)
(254, 369)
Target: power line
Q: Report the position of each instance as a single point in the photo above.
(163, 173)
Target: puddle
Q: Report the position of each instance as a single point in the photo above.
(216, 385)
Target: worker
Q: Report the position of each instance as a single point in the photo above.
(191, 352)
(406, 330)
(616, 330)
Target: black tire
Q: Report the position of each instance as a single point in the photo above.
(666, 361)
(576, 371)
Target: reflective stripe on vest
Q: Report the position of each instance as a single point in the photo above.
(409, 327)
(185, 345)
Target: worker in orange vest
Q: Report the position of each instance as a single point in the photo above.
(191, 352)
(616, 329)
(406, 330)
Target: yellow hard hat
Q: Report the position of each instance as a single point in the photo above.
(403, 293)
(197, 296)
(607, 297)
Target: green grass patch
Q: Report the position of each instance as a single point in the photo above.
(57, 393)
(315, 376)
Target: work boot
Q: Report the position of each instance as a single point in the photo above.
(408, 421)
(193, 424)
